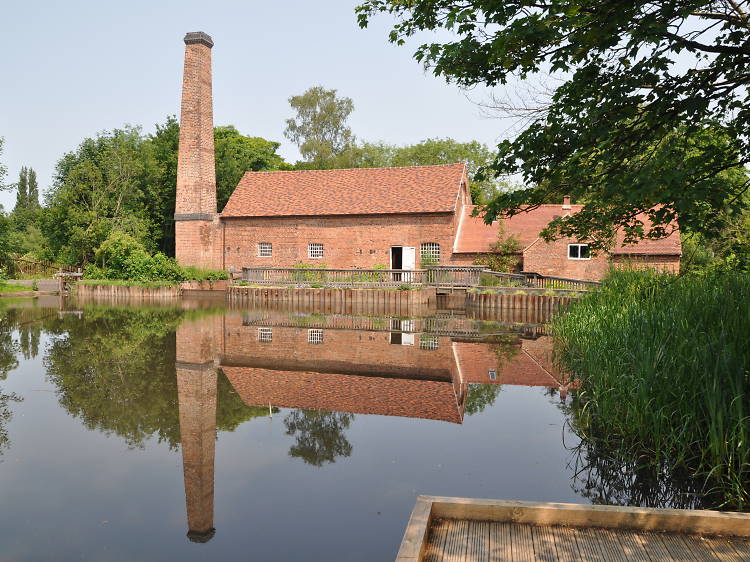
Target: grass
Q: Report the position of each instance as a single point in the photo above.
(11, 288)
(664, 364)
(127, 283)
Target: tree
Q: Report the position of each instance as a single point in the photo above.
(237, 154)
(33, 193)
(3, 168)
(434, 151)
(639, 83)
(319, 128)
(505, 253)
(22, 193)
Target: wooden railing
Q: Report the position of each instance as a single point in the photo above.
(23, 267)
(538, 281)
(450, 276)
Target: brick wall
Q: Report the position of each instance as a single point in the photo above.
(198, 243)
(660, 263)
(349, 241)
(551, 258)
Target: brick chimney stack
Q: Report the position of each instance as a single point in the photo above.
(566, 203)
(196, 220)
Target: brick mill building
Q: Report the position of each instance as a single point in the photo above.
(395, 218)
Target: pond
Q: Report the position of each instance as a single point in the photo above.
(195, 432)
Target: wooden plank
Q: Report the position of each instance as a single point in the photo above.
(435, 543)
(742, 546)
(456, 541)
(631, 547)
(677, 547)
(544, 544)
(478, 549)
(501, 549)
(566, 544)
(588, 545)
(522, 542)
(610, 545)
(637, 518)
(413, 543)
(714, 548)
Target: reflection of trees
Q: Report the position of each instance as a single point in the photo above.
(479, 396)
(319, 435)
(607, 473)
(10, 319)
(115, 370)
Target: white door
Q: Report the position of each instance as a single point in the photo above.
(408, 263)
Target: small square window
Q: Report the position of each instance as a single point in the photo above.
(579, 252)
(315, 336)
(429, 253)
(428, 342)
(492, 373)
(265, 335)
(315, 250)
(265, 249)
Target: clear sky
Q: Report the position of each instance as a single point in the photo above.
(70, 69)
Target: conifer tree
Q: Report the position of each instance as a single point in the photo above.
(33, 190)
(22, 197)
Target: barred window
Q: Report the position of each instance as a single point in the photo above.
(265, 335)
(265, 249)
(428, 342)
(315, 336)
(314, 250)
(579, 252)
(429, 253)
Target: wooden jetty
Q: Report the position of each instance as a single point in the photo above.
(467, 530)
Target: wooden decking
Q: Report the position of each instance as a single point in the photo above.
(468, 530)
(461, 540)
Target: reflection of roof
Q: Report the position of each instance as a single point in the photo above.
(416, 189)
(346, 393)
(475, 236)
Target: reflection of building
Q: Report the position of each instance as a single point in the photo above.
(396, 371)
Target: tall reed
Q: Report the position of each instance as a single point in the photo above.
(664, 364)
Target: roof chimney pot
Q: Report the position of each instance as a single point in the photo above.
(566, 202)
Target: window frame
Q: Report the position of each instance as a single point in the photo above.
(433, 252)
(310, 250)
(579, 246)
(315, 336)
(270, 249)
(265, 335)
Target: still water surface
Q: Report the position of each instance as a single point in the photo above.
(326, 429)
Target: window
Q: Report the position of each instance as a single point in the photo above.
(315, 250)
(315, 336)
(429, 253)
(428, 342)
(579, 252)
(492, 373)
(265, 335)
(265, 249)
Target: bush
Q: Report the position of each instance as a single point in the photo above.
(122, 257)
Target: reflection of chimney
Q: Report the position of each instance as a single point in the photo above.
(195, 204)
(566, 203)
(196, 388)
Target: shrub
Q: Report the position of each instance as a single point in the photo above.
(122, 257)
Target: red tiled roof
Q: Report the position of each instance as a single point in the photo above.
(368, 191)
(434, 400)
(475, 236)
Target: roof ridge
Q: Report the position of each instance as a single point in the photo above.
(349, 169)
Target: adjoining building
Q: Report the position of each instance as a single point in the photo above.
(393, 218)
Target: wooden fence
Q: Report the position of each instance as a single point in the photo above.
(18, 266)
(438, 276)
(537, 281)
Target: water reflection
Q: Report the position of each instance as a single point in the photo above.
(329, 368)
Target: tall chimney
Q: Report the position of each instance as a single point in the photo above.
(566, 203)
(195, 205)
